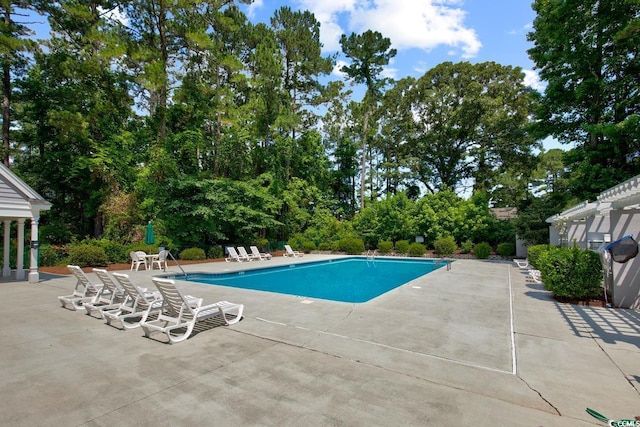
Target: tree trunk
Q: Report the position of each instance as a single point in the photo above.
(363, 172)
(6, 97)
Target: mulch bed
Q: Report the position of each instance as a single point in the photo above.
(591, 302)
(62, 269)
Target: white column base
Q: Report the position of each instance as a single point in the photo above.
(34, 277)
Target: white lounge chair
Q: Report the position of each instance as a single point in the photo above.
(242, 253)
(84, 292)
(256, 254)
(111, 296)
(180, 312)
(290, 252)
(536, 276)
(233, 255)
(138, 302)
(138, 258)
(522, 263)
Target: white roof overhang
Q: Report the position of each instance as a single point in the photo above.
(18, 200)
(622, 196)
(580, 211)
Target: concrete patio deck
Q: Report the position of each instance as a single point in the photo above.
(476, 345)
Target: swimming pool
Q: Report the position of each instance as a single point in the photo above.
(351, 280)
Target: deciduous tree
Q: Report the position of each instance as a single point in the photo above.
(587, 51)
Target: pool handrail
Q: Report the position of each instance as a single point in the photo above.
(178, 264)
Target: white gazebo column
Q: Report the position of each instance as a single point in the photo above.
(6, 269)
(34, 276)
(20, 251)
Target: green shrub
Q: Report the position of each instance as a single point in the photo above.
(506, 249)
(351, 245)
(115, 251)
(571, 273)
(192, 254)
(385, 246)
(262, 244)
(49, 257)
(445, 245)
(482, 250)
(533, 254)
(402, 246)
(308, 246)
(84, 255)
(466, 246)
(215, 252)
(417, 249)
(297, 241)
(324, 246)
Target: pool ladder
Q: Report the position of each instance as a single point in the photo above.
(371, 255)
(442, 261)
(178, 264)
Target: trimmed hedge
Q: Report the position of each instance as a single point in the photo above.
(466, 246)
(533, 254)
(384, 247)
(49, 257)
(308, 246)
(87, 256)
(506, 249)
(216, 252)
(571, 273)
(402, 246)
(445, 245)
(482, 250)
(417, 249)
(192, 254)
(351, 245)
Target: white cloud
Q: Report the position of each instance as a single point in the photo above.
(389, 73)
(114, 14)
(532, 79)
(255, 4)
(421, 24)
(337, 69)
(330, 32)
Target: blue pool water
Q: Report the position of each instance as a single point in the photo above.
(346, 280)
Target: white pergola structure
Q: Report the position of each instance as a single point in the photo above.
(19, 202)
(614, 214)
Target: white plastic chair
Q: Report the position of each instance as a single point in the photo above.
(233, 255)
(242, 254)
(85, 291)
(522, 263)
(291, 253)
(256, 254)
(138, 258)
(138, 302)
(111, 296)
(182, 312)
(160, 260)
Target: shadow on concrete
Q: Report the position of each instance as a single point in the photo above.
(44, 277)
(611, 325)
(202, 326)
